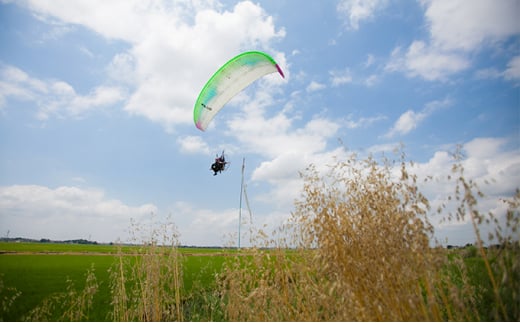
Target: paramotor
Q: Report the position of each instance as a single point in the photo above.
(220, 164)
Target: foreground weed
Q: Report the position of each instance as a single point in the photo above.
(7, 297)
(502, 258)
(361, 250)
(202, 303)
(147, 286)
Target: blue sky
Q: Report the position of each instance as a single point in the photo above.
(96, 106)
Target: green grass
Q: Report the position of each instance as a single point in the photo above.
(201, 269)
(28, 247)
(38, 276)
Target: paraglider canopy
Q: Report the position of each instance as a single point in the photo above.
(234, 76)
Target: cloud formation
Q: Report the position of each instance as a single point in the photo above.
(315, 86)
(475, 24)
(410, 120)
(53, 97)
(66, 212)
(429, 63)
(456, 30)
(356, 11)
(193, 144)
(340, 77)
(513, 69)
(174, 47)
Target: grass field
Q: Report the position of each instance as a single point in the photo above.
(105, 249)
(38, 270)
(39, 276)
(29, 247)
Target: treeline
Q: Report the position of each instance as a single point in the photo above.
(43, 240)
(503, 245)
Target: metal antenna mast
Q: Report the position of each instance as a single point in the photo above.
(240, 206)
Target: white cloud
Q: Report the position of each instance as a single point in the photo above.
(340, 77)
(205, 227)
(122, 69)
(463, 25)
(273, 136)
(370, 60)
(362, 122)
(482, 147)
(511, 73)
(429, 63)
(371, 80)
(175, 47)
(66, 213)
(84, 50)
(17, 84)
(315, 86)
(488, 73)
(457, 28)
(54, 97)
(209, 227)
(193, 145)
(488, 162)
(174, 64)
(100, 96)
(87, 13)
(356, 11)
(409, 120)
(284, 147)
(513, 69)
(282, 173)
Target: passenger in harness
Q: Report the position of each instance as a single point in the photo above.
(219, 165)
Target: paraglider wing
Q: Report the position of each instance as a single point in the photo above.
(228, 81)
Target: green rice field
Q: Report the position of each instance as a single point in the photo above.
(39, 270)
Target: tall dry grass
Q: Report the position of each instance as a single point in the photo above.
(7, 298)
(147, 286)
(361, 239)
(502, 259)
